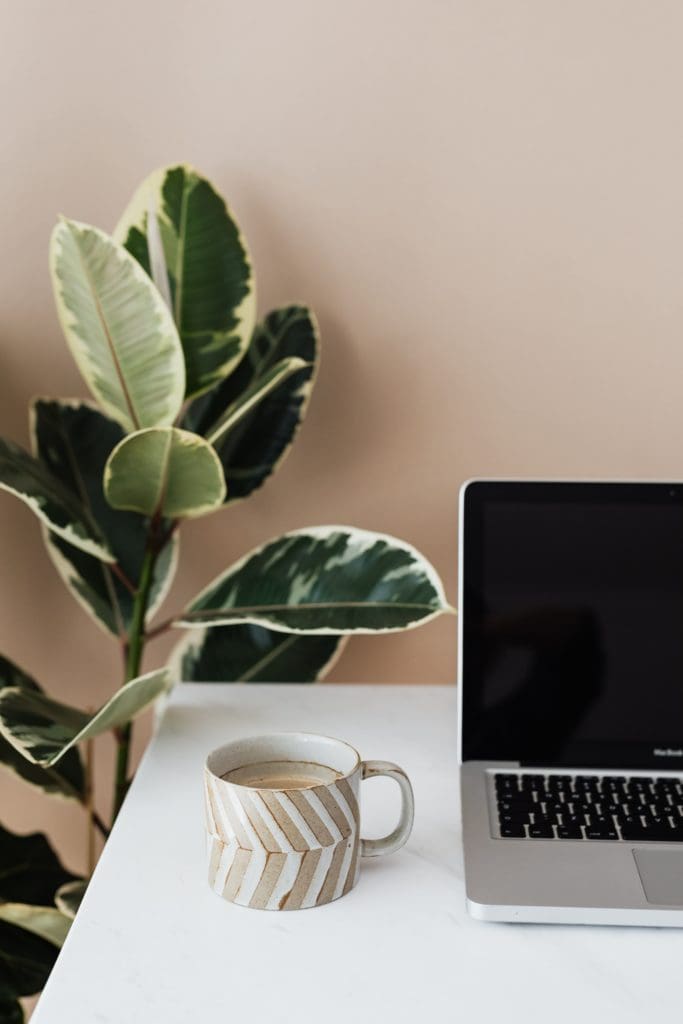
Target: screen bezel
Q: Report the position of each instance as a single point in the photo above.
(474, 495)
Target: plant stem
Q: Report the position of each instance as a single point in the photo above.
(90, 796)
(134, 652)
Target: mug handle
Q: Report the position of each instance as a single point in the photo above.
(395, 840)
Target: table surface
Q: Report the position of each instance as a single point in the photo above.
(152, 943)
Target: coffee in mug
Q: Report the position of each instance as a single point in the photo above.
(282, 775)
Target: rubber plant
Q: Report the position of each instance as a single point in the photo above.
(195, 405)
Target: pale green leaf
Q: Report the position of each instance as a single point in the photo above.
(164, 471)
(46, 922)
(256, 446)
(246, 653)
(157, 257)
(74, 439)
(69, 896)
(119, 330)
(325, 579)
(44, 729)
(30, 481)
(209, 272)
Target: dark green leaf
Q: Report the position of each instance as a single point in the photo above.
(254, 448)
(11, 1011)
(210, 276)
(326, 579)
(255, 394)
(46, 496)
(65, 779)
(25, 960)
(253, 654)
(30, 871)
(74, 440)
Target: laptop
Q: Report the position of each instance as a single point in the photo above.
(570, 672)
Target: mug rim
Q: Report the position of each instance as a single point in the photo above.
(274, 736)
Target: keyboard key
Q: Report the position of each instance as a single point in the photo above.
(638, 786)
(506, 780)
(646, 834)
(541, 832)
(510, 806)
(569, 832)
(600, 833)
(513, 831)
(514, 821)
(600, 821)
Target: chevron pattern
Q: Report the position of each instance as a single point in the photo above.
(275, 850)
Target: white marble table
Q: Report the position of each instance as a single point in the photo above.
(153, 944)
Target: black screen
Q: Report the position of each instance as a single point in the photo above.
(573, 624)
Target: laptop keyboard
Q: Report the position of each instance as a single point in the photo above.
(618, 807)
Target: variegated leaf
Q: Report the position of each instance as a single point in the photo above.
(29, 930)
(44, 729)
(69, 897)
(247, 653)
(74, 439)
(65, 779)
(50, 500)
(119, 330)
(255, 447)
(46, 922)
(166, 472)
(256, 393)
(211, 283)
(325, 579)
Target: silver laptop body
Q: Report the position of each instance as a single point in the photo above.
(570, 677)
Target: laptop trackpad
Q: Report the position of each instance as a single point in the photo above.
(661, 874)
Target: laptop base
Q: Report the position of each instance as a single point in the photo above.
(562, 881)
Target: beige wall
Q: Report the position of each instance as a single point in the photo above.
(481, 200)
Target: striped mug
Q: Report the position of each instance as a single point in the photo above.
(282, 819)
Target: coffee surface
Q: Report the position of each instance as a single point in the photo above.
(283, 775)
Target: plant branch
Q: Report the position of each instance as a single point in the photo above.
(163, 627)
(99, 824)
(120, 574)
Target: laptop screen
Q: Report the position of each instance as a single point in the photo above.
(573, 624)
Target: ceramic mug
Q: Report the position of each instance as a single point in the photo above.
(283, 821)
